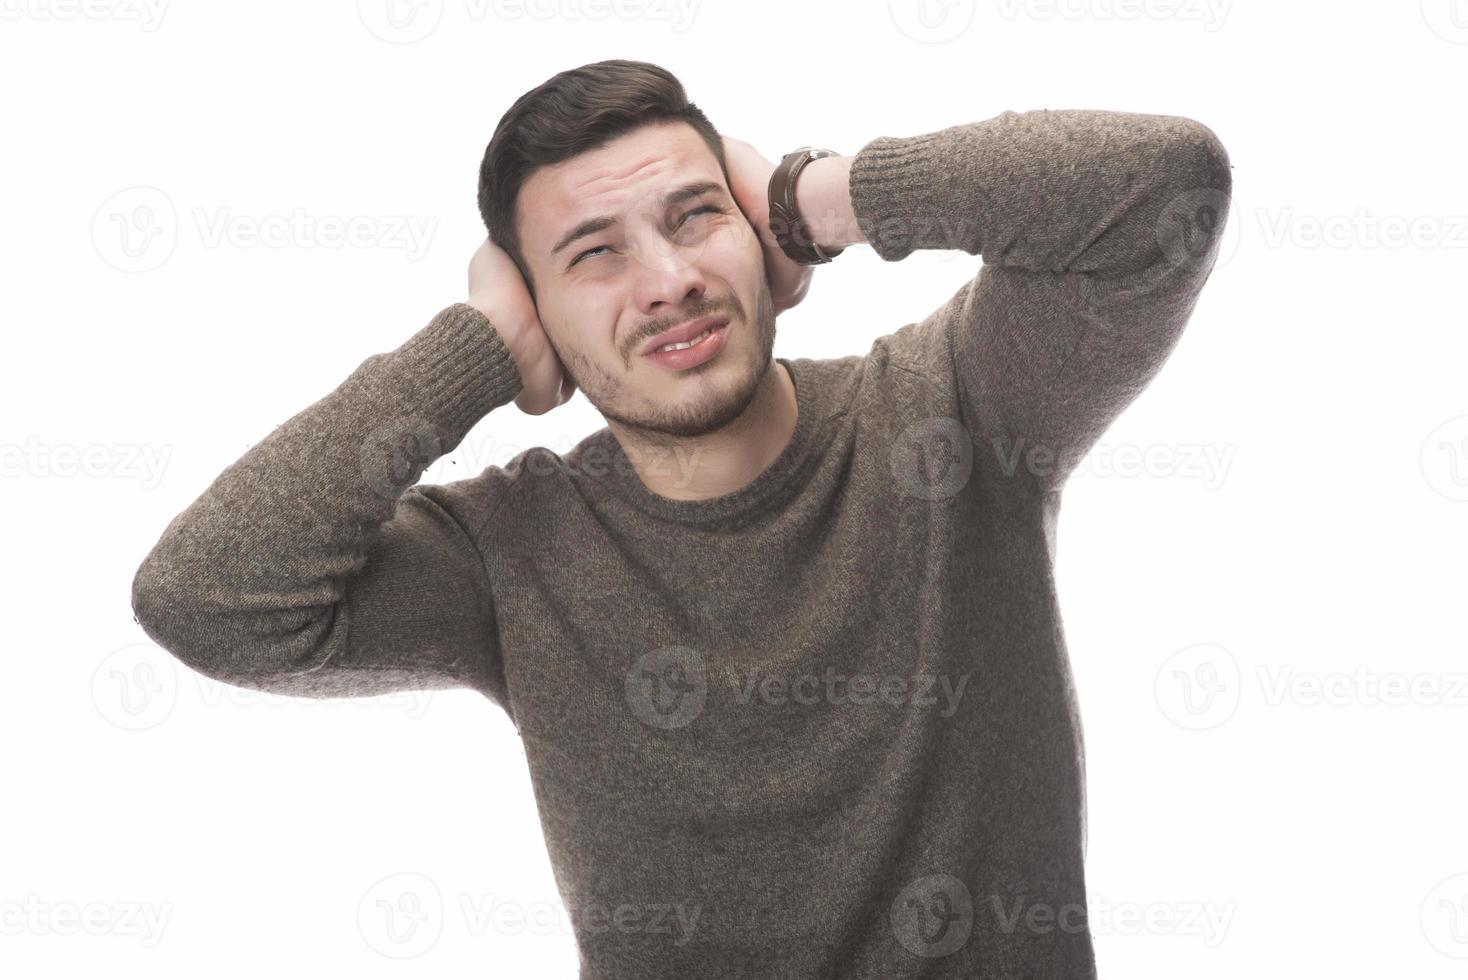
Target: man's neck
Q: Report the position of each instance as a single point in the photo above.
(703, 467)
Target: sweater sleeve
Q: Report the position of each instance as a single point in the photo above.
(1096, 229)
(311, 566)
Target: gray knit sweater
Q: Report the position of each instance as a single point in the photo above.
(820, 727)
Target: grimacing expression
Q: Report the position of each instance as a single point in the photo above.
(676, 247)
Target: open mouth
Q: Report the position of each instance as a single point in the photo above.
(692, 352)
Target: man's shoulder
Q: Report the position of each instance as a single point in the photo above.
(509, 493)
(903, 369)
(923, 348)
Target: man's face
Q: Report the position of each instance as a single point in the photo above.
(604, 295)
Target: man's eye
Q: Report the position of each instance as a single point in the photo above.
(698, 210)
(706, 207)
(586, 253)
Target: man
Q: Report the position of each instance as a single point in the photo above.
(781, 640)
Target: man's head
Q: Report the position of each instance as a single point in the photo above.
(619, 140)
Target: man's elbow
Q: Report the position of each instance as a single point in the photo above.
(171, 620)
(1190, 202)
(251, 650)
(1193, 158)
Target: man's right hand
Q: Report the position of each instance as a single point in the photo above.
(497, 290)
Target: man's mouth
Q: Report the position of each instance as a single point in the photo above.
(686, 353)
(683, 333)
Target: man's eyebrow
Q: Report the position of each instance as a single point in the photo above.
(593, 225)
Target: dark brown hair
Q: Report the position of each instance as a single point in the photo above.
(577, 110)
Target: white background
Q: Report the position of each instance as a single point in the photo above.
(1297, 528)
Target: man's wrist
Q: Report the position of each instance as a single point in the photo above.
(823, 203)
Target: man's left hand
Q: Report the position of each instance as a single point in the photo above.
(749, 181)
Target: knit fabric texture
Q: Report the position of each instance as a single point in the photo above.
(823, 726)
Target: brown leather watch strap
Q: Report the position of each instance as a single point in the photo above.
(789, 228)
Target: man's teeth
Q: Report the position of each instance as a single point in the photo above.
(686, 343)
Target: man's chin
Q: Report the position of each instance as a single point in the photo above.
(695, 405)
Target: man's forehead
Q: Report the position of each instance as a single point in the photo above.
(607, 181)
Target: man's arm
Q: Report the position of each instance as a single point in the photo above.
(1097, 231)
(311, 566)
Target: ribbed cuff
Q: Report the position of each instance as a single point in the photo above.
(899, 192)
(459, 363)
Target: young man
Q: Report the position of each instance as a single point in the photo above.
(781, 640)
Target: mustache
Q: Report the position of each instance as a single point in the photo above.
(652, 330)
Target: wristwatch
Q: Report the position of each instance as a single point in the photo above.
(788, 226)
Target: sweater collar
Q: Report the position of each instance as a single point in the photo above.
(766, 489)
